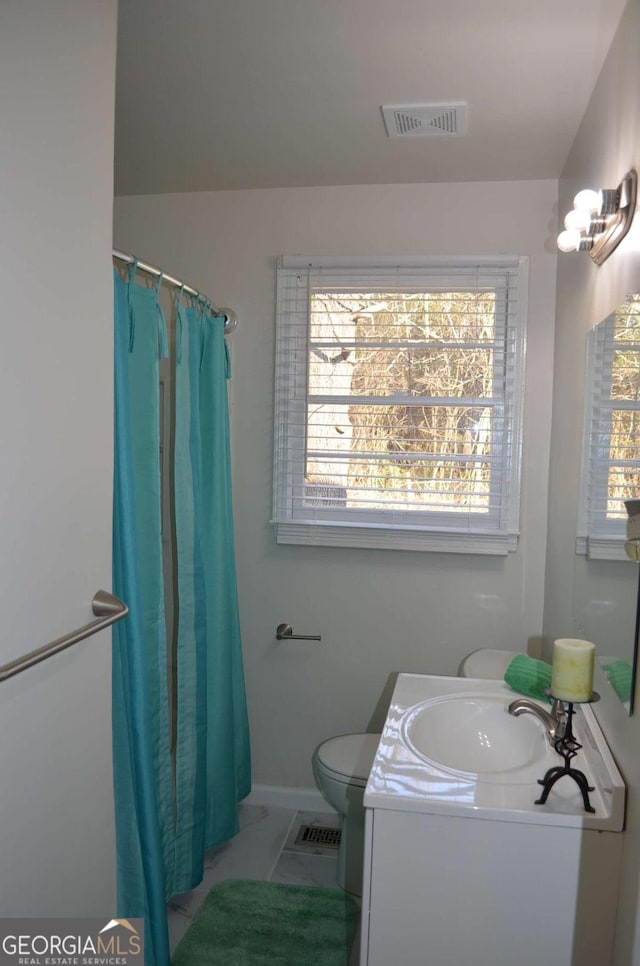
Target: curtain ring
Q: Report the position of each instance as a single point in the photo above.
(131, 274)
(179, 324)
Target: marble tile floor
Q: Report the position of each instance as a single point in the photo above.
(264, 848)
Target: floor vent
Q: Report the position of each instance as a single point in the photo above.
(318, 835)
(425, 120)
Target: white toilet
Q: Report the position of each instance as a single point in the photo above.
(341, 769)
(486, 663)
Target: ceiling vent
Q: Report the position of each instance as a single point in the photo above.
(425, 120)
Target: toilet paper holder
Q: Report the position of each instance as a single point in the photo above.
(284, 632)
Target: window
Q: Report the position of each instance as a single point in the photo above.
(398, 402)
(611, 450)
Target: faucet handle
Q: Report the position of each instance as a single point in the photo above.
(559, 714)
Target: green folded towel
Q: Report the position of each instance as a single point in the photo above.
(619, 675)
(529, 676)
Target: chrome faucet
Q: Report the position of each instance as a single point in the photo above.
(555, 722)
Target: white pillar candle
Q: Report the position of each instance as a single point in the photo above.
(572, 669)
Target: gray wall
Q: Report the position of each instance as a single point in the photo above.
(607, 145)
(378, 611)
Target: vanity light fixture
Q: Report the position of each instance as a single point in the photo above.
(599, 220)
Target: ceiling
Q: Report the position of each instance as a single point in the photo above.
(226, 94)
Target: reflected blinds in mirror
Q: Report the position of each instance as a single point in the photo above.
(611, 460)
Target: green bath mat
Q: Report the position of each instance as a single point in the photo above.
(247, 923)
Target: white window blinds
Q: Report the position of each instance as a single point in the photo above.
(611, 450)
(398, 402)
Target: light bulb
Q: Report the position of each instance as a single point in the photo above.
(569, 241)
(588, 200)
(578, 219)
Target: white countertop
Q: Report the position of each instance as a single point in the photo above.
(400, 779)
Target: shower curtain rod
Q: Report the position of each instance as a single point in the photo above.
(230, 317)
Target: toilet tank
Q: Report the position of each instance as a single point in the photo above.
(486, 663)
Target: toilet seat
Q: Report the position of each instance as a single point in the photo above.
(348, 758)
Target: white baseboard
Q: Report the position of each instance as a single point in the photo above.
(302, 799)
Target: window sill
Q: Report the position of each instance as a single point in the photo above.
(601, 548)
(394, 538)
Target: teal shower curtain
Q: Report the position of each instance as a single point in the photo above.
(212, 740)
(140, 751)
(171, 808)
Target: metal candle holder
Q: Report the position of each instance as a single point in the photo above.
(567, 747)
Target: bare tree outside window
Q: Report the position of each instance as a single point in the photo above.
(401, 406)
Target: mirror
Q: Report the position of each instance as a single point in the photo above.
(606, 579)
(605, 593)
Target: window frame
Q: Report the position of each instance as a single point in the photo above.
(495, 532)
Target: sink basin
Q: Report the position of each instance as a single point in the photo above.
(473, 734)
(450, 747)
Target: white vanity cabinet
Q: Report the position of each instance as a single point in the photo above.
(460, 871)
(446, 891)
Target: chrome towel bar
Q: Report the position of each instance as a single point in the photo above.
(284, 632)
(107, 609)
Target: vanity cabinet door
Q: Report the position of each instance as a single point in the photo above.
(449, 891)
